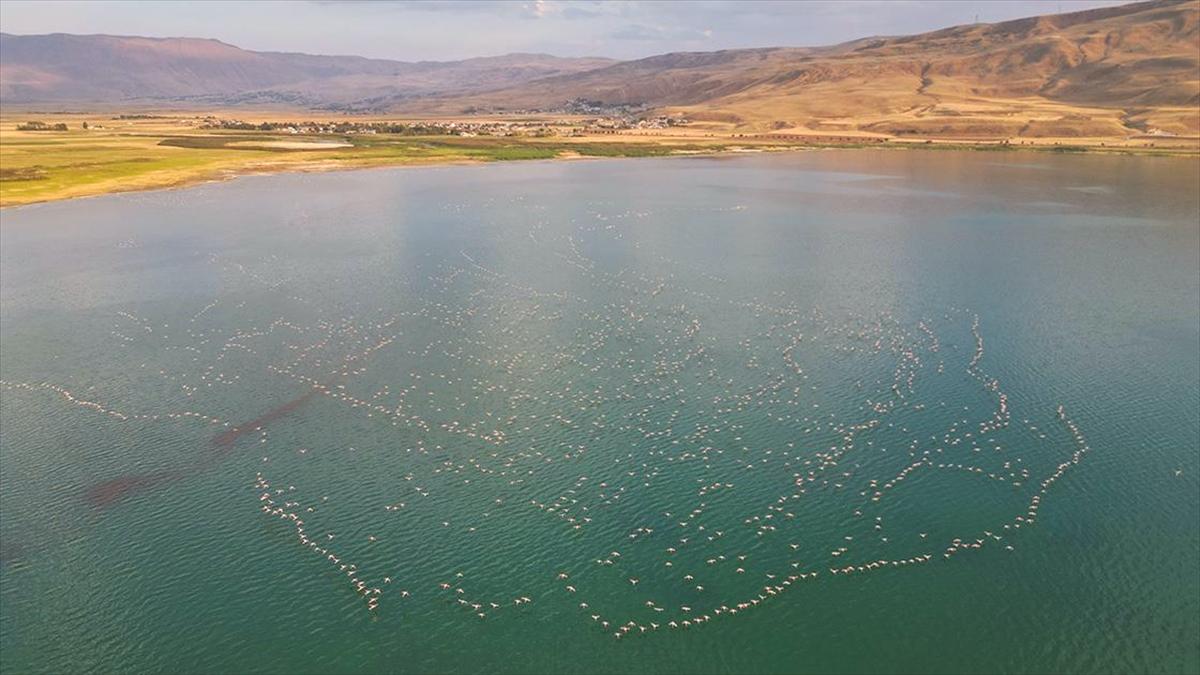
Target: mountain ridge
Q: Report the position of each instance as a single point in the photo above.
(108, 69)
(1131, 58)
(1110, 71)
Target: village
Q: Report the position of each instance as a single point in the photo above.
(519, 125)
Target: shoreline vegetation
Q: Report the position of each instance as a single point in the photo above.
(50, 157)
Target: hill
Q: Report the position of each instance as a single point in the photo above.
(1105, 72)
(106, 69)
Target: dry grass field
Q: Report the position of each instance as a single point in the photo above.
(117, 155)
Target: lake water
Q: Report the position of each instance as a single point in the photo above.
(786, 413)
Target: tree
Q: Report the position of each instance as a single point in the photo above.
(41, 126)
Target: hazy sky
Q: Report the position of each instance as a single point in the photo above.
(428, 30)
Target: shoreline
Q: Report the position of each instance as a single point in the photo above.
(327, 165)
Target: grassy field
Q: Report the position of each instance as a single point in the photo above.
(116, 155)
(125, 155)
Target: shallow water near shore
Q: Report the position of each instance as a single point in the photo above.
(818, 412)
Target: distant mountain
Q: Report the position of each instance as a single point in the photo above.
(1109, 72)
(83, 69)
(1100, 72)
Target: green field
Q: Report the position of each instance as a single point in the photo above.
(46, 165)
(118, 154)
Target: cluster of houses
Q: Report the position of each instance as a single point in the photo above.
(466, 128)
(421, 128)
(656, 122)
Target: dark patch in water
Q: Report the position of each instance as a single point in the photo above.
(9, 552)
(102, 495)
(226, 439)
(109, 492)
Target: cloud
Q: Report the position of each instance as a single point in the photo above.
(636, 32)
(538, 8)
(577, 11)
(645, 32)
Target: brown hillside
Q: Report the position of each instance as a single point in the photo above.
(86, 69)
(1107, 72)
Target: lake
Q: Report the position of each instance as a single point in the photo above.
(841, 411)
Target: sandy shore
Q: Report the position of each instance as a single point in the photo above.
(303, 162)
(291, 145)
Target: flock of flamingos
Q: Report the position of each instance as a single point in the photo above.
(659, 449)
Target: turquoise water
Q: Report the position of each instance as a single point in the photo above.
(804, 407)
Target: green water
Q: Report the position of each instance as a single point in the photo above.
(692, 386)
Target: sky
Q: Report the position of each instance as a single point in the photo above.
(417, 30)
